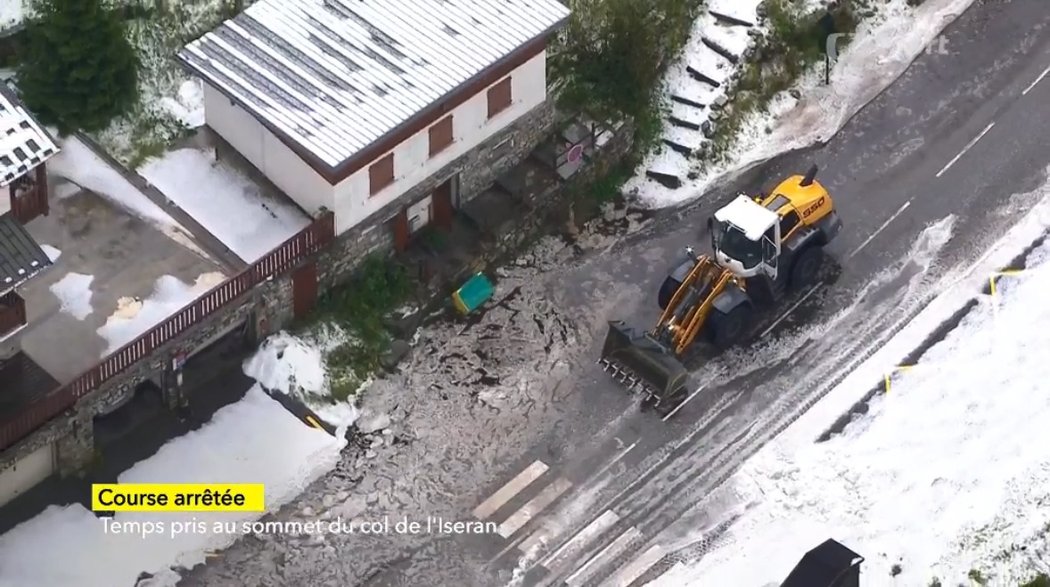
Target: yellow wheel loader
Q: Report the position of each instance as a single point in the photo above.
(763, 248)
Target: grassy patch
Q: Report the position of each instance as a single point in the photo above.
(791, 47)
(360, 307)
(1040, 580)
(152, 126)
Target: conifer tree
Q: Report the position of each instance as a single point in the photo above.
(77, 68)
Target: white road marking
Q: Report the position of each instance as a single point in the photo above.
(573, 547)
(879, 230)
(966, 148)
(505, 493)
(685, 401)
(533, 507)
(616, 459)
(613, 549)
(630, 572)
(544, 533)
(790, 310)
(1036, 82)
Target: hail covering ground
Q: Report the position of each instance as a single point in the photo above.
(134, 317)
(252, 441)
(336, 76)
(24, 144)
(11, 13)
(945, 473)
(225, 202)
(880, 51)
(74, 294)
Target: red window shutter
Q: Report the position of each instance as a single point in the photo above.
(381, 174)
(500, 97)
(402, 233)
(441, 135)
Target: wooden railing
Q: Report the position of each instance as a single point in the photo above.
(311, 240)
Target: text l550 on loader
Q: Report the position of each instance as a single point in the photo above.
(763, 248)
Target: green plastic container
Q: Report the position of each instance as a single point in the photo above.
(476, 291)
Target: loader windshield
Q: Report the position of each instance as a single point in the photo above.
(734, 244)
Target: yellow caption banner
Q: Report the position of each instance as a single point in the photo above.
(178, 497)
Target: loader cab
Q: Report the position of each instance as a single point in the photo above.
(745, 238)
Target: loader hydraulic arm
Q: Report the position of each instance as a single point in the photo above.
(691, 304)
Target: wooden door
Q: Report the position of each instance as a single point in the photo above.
(304, 290)
(442, 202)
(402, 232)
(29, 195)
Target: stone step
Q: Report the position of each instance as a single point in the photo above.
(678, 148)
(682, 123)
(730, 19)
(726, 53)
(686, 101)
(695, 74)
(667, 180)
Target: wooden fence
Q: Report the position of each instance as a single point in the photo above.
(311, 240)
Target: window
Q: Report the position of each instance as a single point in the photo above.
(441, 135)
(788, 223)
(381, 174)
(499, 97)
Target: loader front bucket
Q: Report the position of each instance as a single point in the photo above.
(641, 363)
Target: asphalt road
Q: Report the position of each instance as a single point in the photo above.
(924, 182)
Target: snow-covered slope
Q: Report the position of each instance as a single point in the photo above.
(881, 51)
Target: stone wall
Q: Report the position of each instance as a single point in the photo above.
(547, 202)
(478, 169)
(267, 308)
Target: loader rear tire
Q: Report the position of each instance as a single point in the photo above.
(667, 291)
(729, 329)
(807, 267)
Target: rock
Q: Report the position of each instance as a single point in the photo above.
(377, 441)
(370, 454)
(388, 432)
(795, 93)
(398, 350)
(720, 102)
(372, 498)
(375, 423)
(308, 511)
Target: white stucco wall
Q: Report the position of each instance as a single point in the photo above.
(264, 150)
(350, 199)
(412, 163)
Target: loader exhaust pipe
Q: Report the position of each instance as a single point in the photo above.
(809, 177)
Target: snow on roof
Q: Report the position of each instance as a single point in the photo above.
(20, 256)
(747, 215)
(336, 75)
(23, 143)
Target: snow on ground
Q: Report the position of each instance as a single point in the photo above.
(51, 252)
(879, 53)
(79, 165)
(188, 104)
(229, 205)
(134, 316)
(11, 13)
(252, 441)
(296, 366)
(74, 294)
(946, 474)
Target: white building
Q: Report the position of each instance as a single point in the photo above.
(355, 105)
